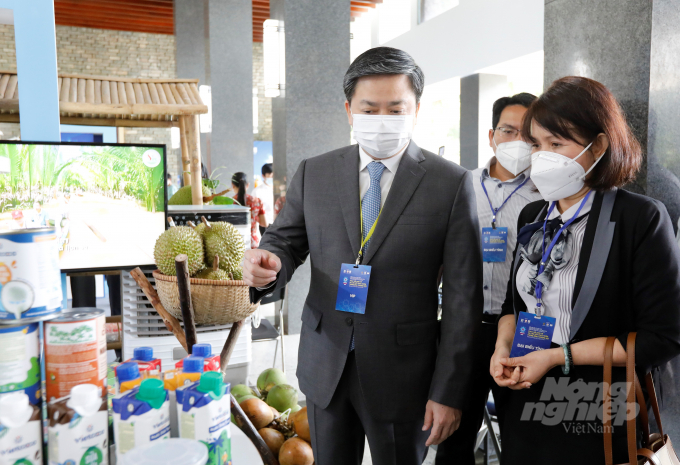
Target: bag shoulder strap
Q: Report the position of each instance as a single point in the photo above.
(607, 401)
(630, 398)
(655, 404)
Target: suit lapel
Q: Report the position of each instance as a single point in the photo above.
(406, 180)
(601, 245)
(347, 183)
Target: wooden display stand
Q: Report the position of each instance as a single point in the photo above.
(187, 338)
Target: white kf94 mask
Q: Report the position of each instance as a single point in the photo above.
(381, 136)
(514, 156)
(558, 177)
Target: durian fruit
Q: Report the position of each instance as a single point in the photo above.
(202, 274)
(183, 196)
(224, 240)
(216, 274)
(175, 241)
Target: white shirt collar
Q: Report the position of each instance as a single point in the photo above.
(519, 178)
(571, 211)
(391, 163)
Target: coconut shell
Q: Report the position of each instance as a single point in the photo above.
(274, 439)
(300, 424)
(258, 412)
(295, 451)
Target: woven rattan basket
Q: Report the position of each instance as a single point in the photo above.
(214, 302)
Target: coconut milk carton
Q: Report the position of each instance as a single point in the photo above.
(141, 415)
(79, 427)
(20, 431)
(206, 416)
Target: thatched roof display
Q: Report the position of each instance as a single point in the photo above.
(112, 101)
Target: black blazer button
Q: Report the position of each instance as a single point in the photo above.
(349, 321)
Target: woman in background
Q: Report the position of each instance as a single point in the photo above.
(239, 183)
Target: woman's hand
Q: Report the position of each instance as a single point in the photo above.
(532, 367)
(505, 376)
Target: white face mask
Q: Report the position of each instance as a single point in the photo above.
(558, 177)
(382, 136)
(514, 156)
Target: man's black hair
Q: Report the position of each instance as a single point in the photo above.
(525, 99)
(267, 169)
(383, 61)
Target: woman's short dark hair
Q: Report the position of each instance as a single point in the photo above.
(578, 109)
(383, 61)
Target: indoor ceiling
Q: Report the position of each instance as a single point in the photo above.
(154, 16)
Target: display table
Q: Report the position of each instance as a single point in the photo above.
(243, 451)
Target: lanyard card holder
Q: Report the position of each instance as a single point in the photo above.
(533, 333)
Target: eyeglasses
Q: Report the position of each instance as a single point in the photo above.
(507, 133)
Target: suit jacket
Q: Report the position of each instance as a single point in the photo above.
(429, 219)
(628, 277)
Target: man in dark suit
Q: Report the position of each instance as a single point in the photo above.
(405, 213)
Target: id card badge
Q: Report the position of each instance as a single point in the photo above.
(353, 288)
(533, 333)
(494, 244)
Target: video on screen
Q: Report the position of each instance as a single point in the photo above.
(106, 202)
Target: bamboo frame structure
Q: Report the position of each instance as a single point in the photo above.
(125, 102)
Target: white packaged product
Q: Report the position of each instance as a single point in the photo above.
(20, 431)
(79, 427)
(206, 416)
(141, 416)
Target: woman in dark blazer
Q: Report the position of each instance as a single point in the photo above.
(600, 260)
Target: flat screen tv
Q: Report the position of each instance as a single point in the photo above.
(106, 202)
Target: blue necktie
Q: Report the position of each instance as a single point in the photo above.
(370, 207)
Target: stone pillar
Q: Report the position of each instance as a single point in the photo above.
(631, 47)
(477, 94)
(192, 50)
(231, 76)
(312, 119)
(215, 45)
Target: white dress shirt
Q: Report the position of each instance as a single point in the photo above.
(558, 296)
(496, 274)
(387, 177)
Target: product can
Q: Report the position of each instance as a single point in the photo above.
(20, 360)
(30, 279)
(75, 351)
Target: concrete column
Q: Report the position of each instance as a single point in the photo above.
(477, 94)
(312, 120)
(192, 50)
(631, 47)
(215, 45)
(231, 76)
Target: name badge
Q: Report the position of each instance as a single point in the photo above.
(533, 333)
(353, 288)
(494, 244)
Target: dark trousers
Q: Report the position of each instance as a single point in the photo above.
(460, 447)
(339, 431)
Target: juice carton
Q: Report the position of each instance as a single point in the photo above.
(141, 415)
(128, 376)
(79, 427)
(170, 383)
(143, 356)
(20, 430)
(212, 362)
(191, 371)
(206, 416)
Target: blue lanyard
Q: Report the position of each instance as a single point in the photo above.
(546, 253)
(494, 211)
